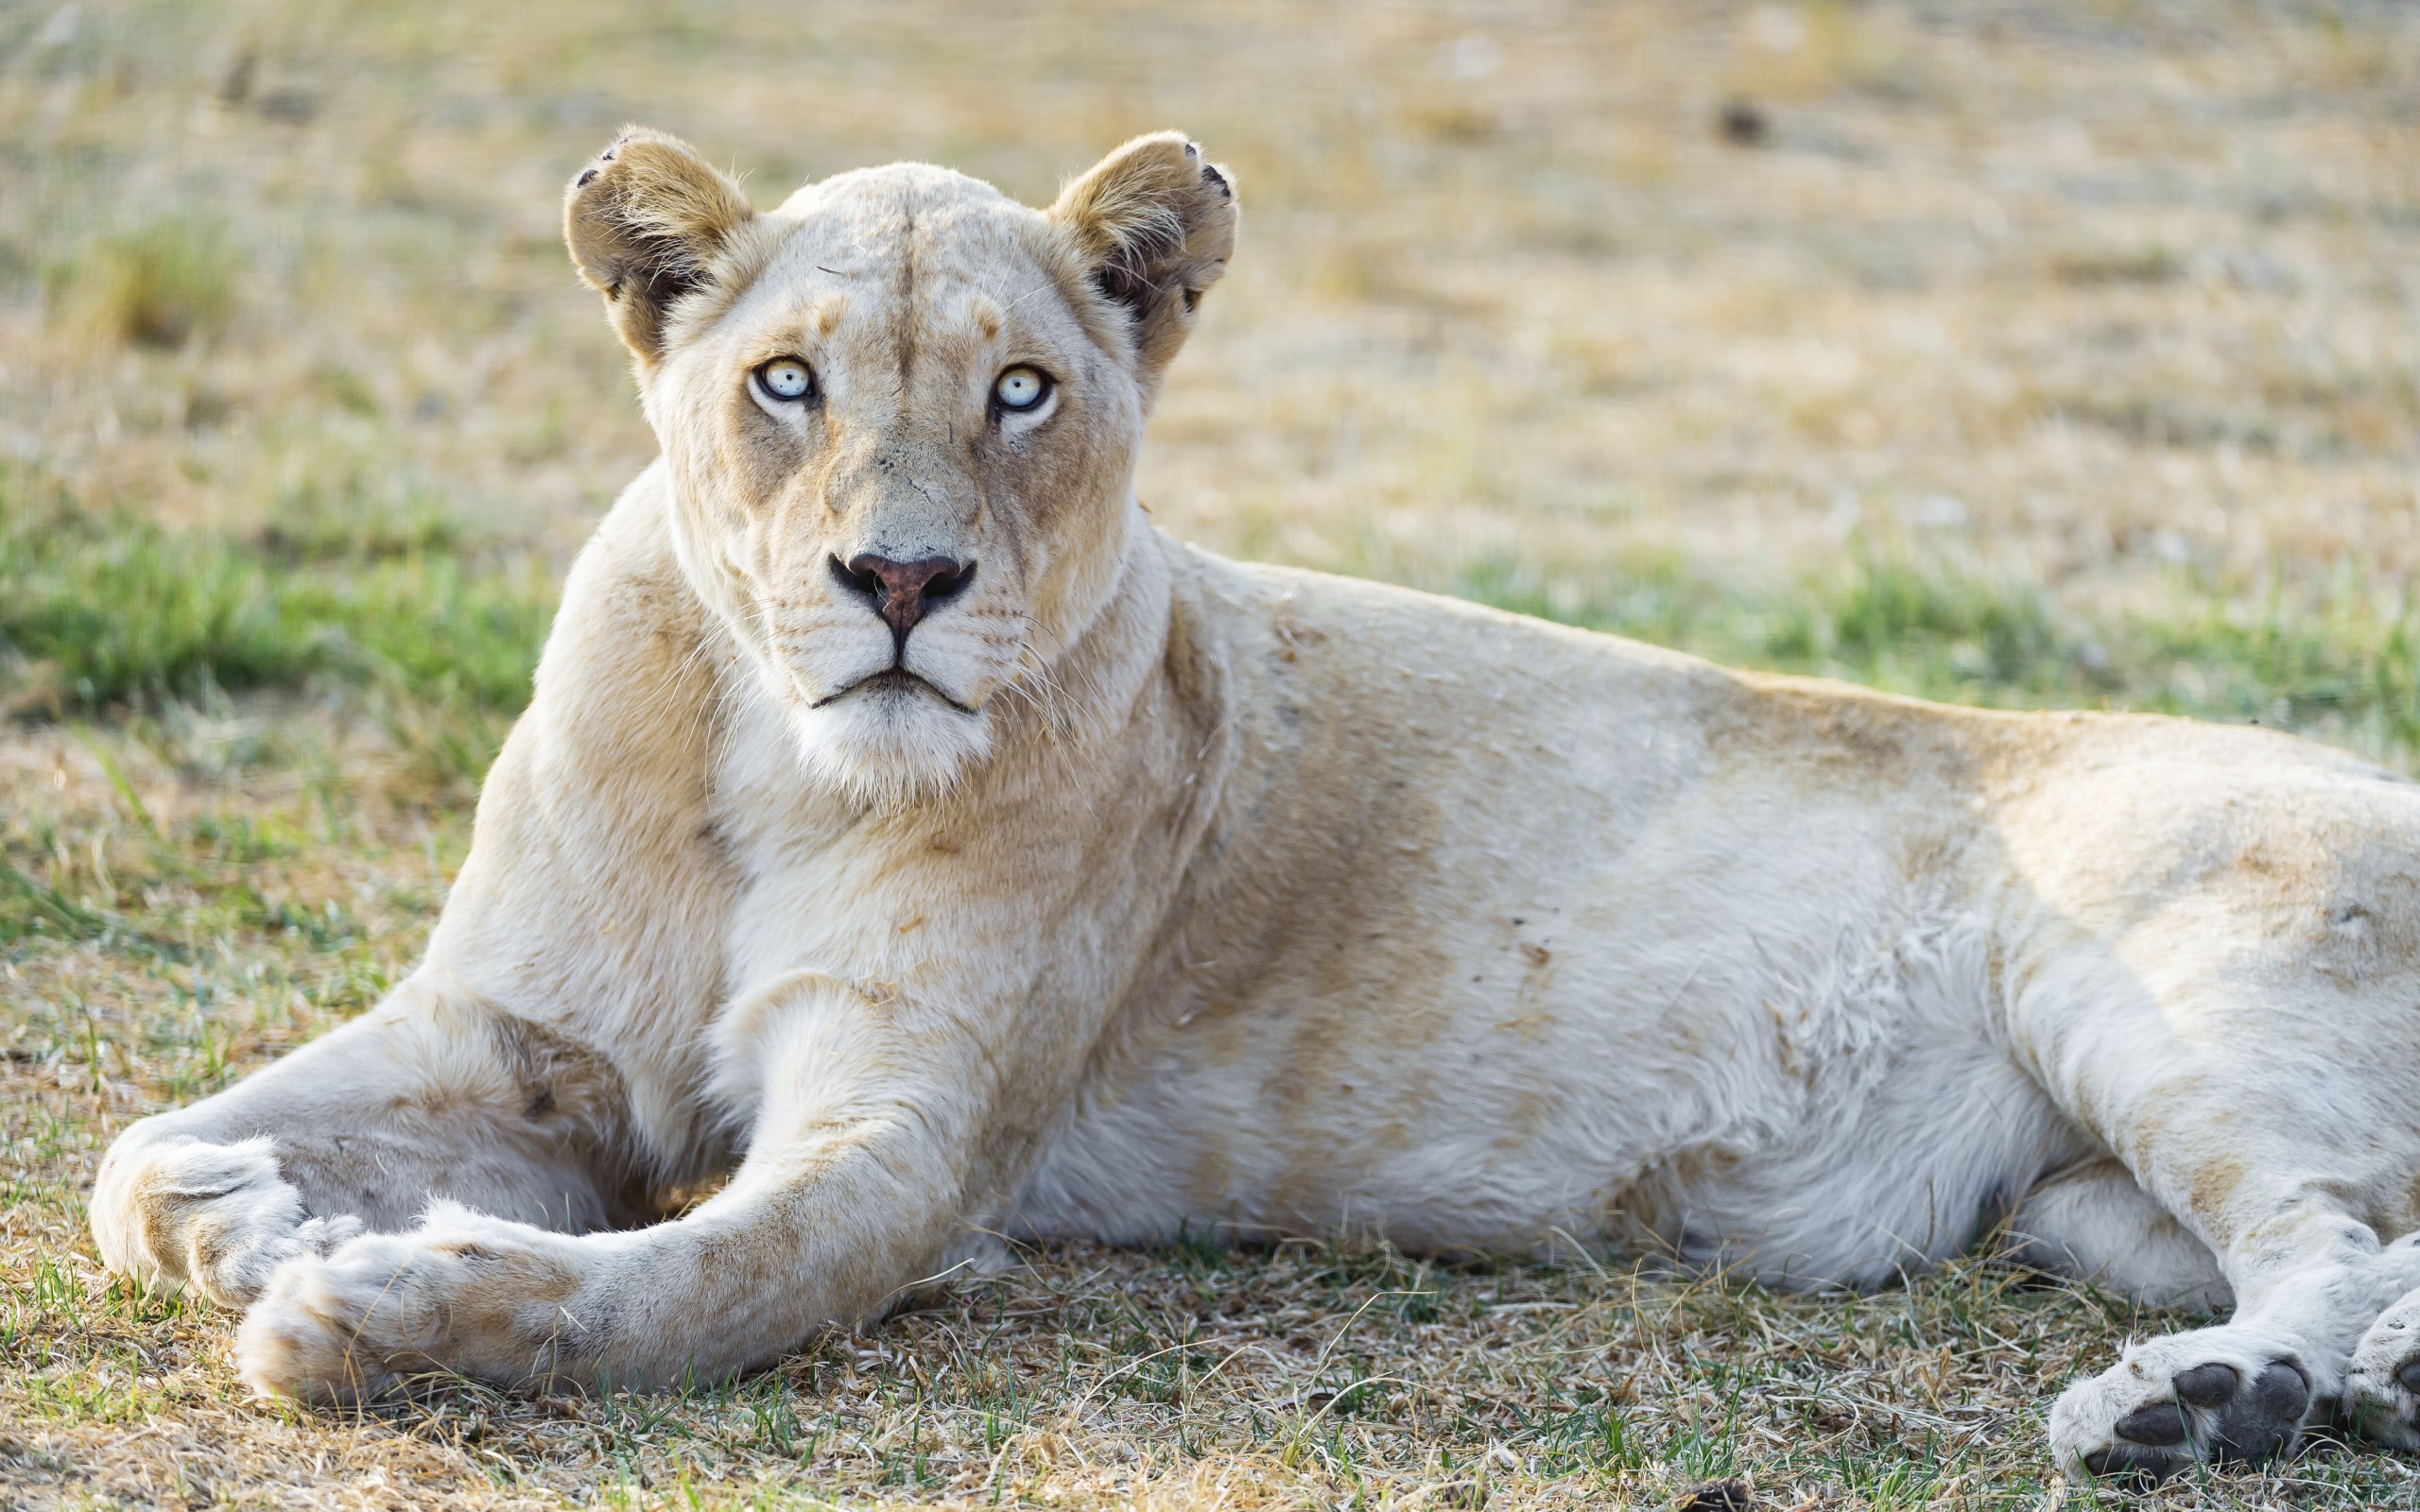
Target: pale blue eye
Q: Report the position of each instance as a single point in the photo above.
(786, 378)
(1021, 388)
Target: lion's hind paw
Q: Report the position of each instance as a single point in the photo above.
(2383, 1386)
(2199, 1397)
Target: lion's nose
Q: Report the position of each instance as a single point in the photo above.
(901, 592)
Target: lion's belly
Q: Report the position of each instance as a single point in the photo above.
(1810, 1112)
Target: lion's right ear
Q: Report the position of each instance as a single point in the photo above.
(648, 222)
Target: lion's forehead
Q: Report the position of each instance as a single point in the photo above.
(880, 266)
(907, 225)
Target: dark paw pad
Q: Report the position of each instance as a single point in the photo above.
(2160, 1425)
(2263, 1418)
(2208, 1386)
(2134, 1464)
(2408, 1377)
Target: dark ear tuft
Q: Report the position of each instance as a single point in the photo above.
(1154, 225)
(649, 222)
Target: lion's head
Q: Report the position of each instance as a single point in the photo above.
(900, 415)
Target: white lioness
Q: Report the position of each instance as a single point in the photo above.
(906, 827)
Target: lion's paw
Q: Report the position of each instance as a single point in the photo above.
(2223, 1396)
(462, 1294)
(2382, 1385)
(181, 1212)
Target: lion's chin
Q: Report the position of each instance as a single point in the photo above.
(891, 741)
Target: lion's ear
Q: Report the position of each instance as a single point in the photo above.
(648, 222)
(1154, 222)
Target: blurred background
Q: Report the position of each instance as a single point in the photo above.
(2001, 352)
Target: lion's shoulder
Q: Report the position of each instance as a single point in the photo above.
(629, 672)
(626, 604)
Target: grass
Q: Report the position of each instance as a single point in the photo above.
(157, 285)
(115, 612)
(2049, 355)
(2345, 669)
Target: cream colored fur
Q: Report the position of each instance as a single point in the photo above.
(1151, 892)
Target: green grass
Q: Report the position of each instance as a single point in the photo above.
(101, 612)
(2345, 670)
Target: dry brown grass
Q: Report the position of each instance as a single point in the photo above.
(2114, 302)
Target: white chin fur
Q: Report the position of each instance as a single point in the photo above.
(889, 744)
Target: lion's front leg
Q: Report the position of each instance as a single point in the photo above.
(856, 1185)
(425, 1096)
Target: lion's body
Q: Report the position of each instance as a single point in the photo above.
(1130, 893)
(1477, 932)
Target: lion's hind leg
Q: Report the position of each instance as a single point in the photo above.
(2092, 1223)
(2220, 989)
(2235, 1393)
(2265, 1133)
(2238, 1392)
(2307, 1269)
(426, 1096)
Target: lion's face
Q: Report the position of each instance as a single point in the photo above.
(901, 416)
(904, 462)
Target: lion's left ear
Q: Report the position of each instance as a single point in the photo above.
(1154, 222)
(648, 222)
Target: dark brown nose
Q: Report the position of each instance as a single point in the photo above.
(901, 592)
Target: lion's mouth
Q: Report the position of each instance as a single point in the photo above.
(891, 679)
